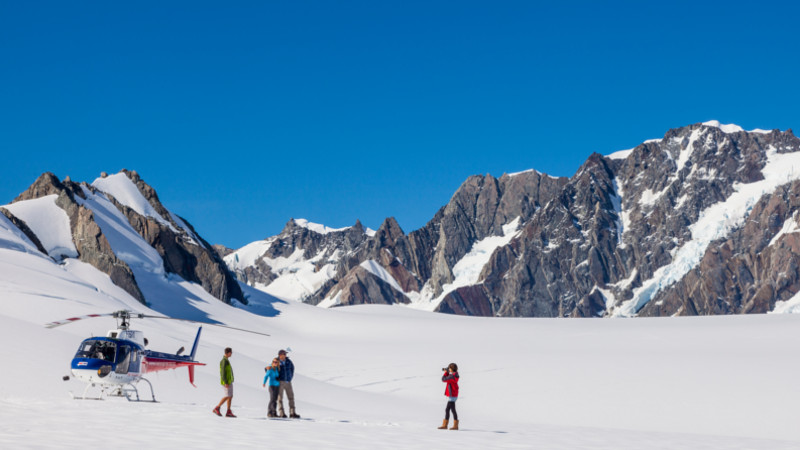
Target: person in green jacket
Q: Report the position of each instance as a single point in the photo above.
(226, 379)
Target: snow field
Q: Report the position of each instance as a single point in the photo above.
(369, 375)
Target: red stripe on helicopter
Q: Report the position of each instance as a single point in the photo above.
(156, 364)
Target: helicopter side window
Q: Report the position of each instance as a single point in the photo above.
(124, 360)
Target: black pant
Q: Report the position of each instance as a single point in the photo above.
(273, 399)
(450, 406)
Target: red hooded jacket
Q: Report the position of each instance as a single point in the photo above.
(452, 384)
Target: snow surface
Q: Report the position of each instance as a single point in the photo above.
(375, 268)
(126, 243)
(13, 238)
(789, 226)
(621, 154)
(248, 255)
(48, 222)
(791, 306)
(322, 229)
(732, 128)
(368, 375)
(298, 277)
(715, 222)
(125, 191)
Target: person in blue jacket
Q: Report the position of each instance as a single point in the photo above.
(285, 375)
(271, 378)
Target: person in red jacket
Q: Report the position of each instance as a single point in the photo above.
(451, 392)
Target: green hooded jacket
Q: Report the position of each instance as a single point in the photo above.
(225, 371)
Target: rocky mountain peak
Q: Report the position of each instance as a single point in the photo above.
(47, 184)
(595, 244)
(389, 230)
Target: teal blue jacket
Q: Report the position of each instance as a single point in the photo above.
(272, 377)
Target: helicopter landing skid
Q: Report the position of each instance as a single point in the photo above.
(129, 390)
(84, 397)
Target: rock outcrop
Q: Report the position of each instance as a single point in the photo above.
(592, 245)
(181, 248)
(92, 246)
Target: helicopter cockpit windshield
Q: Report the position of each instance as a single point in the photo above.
(97, 349)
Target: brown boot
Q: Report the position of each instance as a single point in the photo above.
(444, 424)
(455, 425)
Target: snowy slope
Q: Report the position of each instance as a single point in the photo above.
(123, 189)
(49, 222)
(365, 379)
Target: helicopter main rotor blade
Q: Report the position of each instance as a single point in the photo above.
(125, 315)
(145, 316)
(74, 319)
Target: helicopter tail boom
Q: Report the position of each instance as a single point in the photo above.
(196, 341)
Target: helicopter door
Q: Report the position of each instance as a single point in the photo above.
(136, 360)
(123, 359)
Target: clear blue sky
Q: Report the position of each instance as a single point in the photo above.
(244, 114)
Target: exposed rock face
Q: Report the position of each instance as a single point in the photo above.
(92, 246)
(567, 248)
(595, 244)
(221, 250)
(584, 256)
(360, 286)
(479, 208)
(749, 272)
(182, 250)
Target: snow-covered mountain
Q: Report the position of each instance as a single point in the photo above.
(117, 225)
(701, 221)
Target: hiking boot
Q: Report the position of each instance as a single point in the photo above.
(282, 416)
(271, 415)
(229, 414)
(294, 416)
(216, 411)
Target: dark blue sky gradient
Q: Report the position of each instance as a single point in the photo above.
(242, 116)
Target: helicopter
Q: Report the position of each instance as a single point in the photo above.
(118, 361)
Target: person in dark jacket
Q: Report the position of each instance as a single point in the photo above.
(285, 375)
(271, 377)
(451, 392)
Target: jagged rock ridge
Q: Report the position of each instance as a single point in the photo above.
(623, 236)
